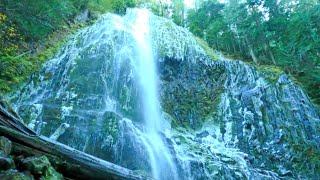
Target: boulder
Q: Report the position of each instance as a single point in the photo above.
(14, 175)
(41, 167)
(6, 163)
(202, 134)
(5, 146)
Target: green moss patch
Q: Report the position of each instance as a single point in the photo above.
(206, 48)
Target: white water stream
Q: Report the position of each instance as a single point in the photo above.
(160, 158)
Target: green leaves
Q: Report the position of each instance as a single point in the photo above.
(285, 33)
(120, 6)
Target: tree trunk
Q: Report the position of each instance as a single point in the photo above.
(182, 18)
(68, 161)
(240, 49)
(252, 54)
(215, 45)
(234, 47)
(272, 56)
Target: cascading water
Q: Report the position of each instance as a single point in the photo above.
(193, 118)
(162, 164)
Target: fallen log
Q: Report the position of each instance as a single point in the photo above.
(70, 162)
(9, 118)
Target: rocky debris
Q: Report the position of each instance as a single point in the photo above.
(73, 164)
(13, 166)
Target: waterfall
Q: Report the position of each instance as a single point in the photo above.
(161, 160)
(146, 67)
(143, 93)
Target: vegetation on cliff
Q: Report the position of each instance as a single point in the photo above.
(32, 32)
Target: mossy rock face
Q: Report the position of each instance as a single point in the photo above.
(251, 109)
(190, 91)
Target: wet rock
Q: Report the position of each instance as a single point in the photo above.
(284, 172)
(167, 120)
(6, 163)
(18, 160)
(83, 16)
(51, 174)
(14, 175)
(202, 134)
(109, 140)
(227, 159)
(5, 146)
(41, 167)
(214, 169)
(36, 165)
(178, 141)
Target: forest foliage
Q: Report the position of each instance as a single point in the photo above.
(282, 33)
(270, 33)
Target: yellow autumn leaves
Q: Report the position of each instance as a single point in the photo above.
(9, 37)
(2, 17)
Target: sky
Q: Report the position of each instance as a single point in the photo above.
(189, 3)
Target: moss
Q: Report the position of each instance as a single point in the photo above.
(51, 174)
(162, 53)
(206, 48)
(270, 72)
